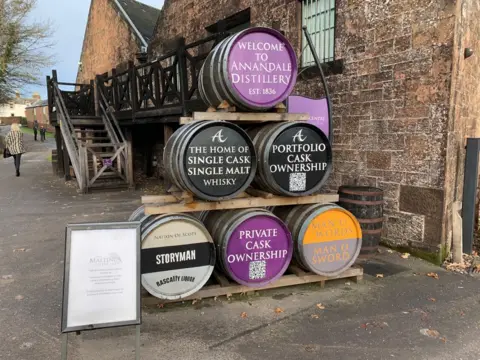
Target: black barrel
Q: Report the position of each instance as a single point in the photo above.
(366, 203)
(294, 158)
(254, 69)
(254, 246)
(215, 160)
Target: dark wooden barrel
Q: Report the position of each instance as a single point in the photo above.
(214, 160)
(254, 246)
(293, 158)
(366, 203)
(327, 238)
(254, 69)
(177, 256)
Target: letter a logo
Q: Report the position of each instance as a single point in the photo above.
(219, 137)
(299, 136)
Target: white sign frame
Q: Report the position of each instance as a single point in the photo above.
(71, 228)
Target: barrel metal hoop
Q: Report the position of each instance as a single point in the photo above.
(361, 193)
(369, 221)
(372, 232)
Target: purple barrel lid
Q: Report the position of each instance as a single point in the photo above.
(262, 67)
(259, 251)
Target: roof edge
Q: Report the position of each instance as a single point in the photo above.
(130, 22)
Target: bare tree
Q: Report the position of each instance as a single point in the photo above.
(24, 47)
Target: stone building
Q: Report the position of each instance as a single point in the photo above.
(404, 94)
(116, 31)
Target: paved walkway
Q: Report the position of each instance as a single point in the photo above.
(380, 319)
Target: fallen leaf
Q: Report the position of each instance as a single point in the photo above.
(194, 301)
(320, 306)
(380, 276)
(444, 339)
(279, 310)
(433, 275)
(19, 297)
(314, 316)
(462, 313)
(19, 250)
(474, 253)
(243, 314)
(390, 251)
(405, 256)
(430, 333)
(432, 299)
(160, 306)
(364, 326)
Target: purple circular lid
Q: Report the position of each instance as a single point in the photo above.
(259, 250)
(262, 67)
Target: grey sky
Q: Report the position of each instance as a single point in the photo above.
(69, 18)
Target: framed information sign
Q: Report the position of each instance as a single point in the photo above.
(101, 286)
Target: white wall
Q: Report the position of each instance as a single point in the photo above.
(15, 109)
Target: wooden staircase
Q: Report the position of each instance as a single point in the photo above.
(98, 150)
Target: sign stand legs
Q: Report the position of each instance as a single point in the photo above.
(64, 346)
(137, 342)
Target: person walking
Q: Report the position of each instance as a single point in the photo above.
(43, 133)
(14, 144)
(35, 129)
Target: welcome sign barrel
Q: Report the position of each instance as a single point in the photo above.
(214, 160)
(327, 238)
(178, 256)
(254, 69)
(294, 158)
(254, 247)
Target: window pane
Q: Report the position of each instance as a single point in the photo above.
(319, 17)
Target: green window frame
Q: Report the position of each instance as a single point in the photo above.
(319, 17)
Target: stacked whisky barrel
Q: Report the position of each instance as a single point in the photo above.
(254, 70)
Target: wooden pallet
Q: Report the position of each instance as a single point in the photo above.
(185, 202)
(243, 117)
(221, 286)
(227, 112)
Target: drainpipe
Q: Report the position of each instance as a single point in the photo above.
(131, 23)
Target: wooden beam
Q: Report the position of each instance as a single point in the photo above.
(156, 205)
(247, 117)
(229, 288)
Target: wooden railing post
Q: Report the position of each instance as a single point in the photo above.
(182, 68)
(133, 88)
(115, 94)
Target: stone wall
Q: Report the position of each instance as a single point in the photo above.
(108, 41)
(390, 103)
